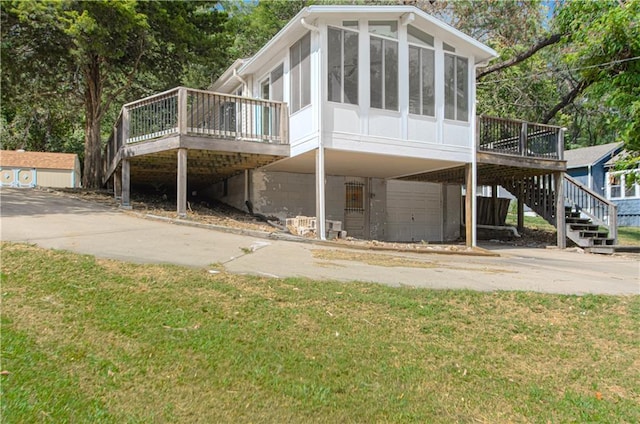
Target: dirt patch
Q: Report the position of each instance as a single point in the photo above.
(213, 212)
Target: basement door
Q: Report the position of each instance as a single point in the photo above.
(414, 211)
(355, 207)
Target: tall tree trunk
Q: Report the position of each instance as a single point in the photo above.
(92, 176)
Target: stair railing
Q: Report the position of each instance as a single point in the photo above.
(601, 211)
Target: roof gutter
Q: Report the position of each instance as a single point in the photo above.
(239, 78)
(308, 26)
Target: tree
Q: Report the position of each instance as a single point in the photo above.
(604, 51)
(103, 51)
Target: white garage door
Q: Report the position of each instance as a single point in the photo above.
(414, 211)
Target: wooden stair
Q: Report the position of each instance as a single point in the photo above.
(590, 220)
(587, 235)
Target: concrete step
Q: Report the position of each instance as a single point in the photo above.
(601, 250)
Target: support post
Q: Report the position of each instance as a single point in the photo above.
(182, 183)
(117, 185)
(320, 194)
(468, 207)
(125, 203)
(558, 179)
(494, 205)
(520, 209)
(247, 174)
(613, 223)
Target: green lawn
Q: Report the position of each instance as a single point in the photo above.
(87, 340)
(629, 236)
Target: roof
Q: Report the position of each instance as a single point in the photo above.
(300, 24)
(585, 156)
(43, 160)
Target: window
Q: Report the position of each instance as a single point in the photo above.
(384, 65)
(272, 89)
(456, 87)
(619, 188)
(421, 73)
(299, 55)
(343, 66)
(354, 199)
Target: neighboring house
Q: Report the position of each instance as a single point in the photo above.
(587, 164)
(593, 167)
(30, 169)
(360, 114)
(624, 193)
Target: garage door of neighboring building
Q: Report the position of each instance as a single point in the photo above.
(414, 211)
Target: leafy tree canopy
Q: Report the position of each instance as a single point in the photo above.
(89, 57)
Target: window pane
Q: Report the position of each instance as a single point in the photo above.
(277, 83)
(386, 28)
(615, 183)
(414, 80)
(428, 83)
(294, 92)
(351, 67)
(305, 71)
(448, 47)
(376, 72)
(419, 37)
(391, 75)
(462, 90)
(449, 87)
(334, 65)
(629, 189)
(350, 24)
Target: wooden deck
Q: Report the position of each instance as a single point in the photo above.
(507, 150)
(221, 135)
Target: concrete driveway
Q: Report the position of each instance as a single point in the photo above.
(61, 222)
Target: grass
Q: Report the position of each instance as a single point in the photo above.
(88, 340)
(629, 236)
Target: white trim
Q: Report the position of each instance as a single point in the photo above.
(487, 52)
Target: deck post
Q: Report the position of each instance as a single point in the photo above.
(284, 124)
(523, 139)
(558, 178)
(520, 208)
(494, 205)
(468, 203)
(117, 185)
(182, 110)
(320, 194)
(613, 223)
(125, 202)
(182, 183)
(125, 129)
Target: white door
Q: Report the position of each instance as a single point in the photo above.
(414, 211)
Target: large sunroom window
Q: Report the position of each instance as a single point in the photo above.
(421, 72)
(384, 64)
(456, 87)
(342, 72)
(299, 56)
